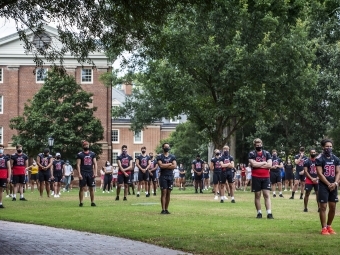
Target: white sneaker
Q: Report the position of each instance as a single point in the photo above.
(52, 193)
(103, 191)
(285, 190)
(55, 196)
(64, 189)
(225, 198)
(7, 196)
(216, 198)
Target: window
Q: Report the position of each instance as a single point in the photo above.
(1, 105)
(41, 74)
(114, 157)
(86, 76)
(138, 137)
(42, 41)
(1, 75)
(1, 135)
(115, 136)
(136, 155)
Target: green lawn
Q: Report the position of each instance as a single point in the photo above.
(197, 223)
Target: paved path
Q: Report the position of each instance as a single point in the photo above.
(19, 238)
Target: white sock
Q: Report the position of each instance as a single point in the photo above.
(273, 192)
(138, 192)
(269, 211)
(0, 203)
(232, 198)
(280, 193)
(259, 211)
(15, 195)
(21, 195)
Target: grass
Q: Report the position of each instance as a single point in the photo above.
(197, 223)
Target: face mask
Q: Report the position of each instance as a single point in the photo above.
(124, 153)
(327, 152)
(312, 155)
(151, 157)
(198, 159)
(166, 149)
(226, 153)
(143, 152)
(67, 163)
(19, 151)
(258, 148)
(1, 151)
(58, 157)
(86, 148)
(274, 155)
(217, 154)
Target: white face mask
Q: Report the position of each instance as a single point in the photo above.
(1, 151)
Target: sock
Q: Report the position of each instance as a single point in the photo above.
(138, 192)
(232, 198)
(280, 193)
(259, 211)
(269, 211)
(274, 192)
(15, 195)
(0, 203)
(21, 195)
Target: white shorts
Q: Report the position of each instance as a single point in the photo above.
(249, 176)
(135, 177)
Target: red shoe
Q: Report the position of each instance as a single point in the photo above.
(331, 230)
(324, 231)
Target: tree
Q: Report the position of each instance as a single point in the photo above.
(225, 67)
(88, 26)
(61, 110)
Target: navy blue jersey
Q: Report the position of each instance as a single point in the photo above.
(328, 166)
(3, 166)
(169, 159)
(311, 169)
(143, 160)
(217, 164)
(153, 163)
(299, 166)
(198, 164)
(276, 161)
(45, 160)
(58, 166)
(227, 159)
(86, 161)
(125, 160)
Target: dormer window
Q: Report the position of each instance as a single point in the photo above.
(42, 41)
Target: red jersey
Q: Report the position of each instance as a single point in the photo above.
(19, 163)
(261, 156)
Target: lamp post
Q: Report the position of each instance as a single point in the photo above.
(50, 143)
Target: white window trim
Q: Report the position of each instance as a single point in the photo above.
(81, 76)
(2, 104)
(2, 75)
(118, 136)
(1, 135)
(115, 151)
(36, 76)
(134, 138)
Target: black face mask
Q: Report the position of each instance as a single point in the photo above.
(166, 149)
(86, 148)
(226, 153)
(143, 152)
(198, 159)
(217, 154)
(19, 151)
(312, 155)
(258, 148)
(274, 155)
(58, 157)
(151, 157)
(45, 154)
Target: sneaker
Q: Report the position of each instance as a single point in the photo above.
(216, 197)
(14, 199)
(285, 190)
(301, 197)
(147, 195)
(233, 201)
(80, 204)
(274, 195)
(222, 201)
(163, 212)
(270, 216)
(124, 199)
(55, 196)
(305, 210)
(1, 206)
(259, 216)
(52, 193)
(201, 192)
(129, 193)
(103, 191)
(93, 204)
(280, 195)
(167, 212)
(225, 198)
(154, 194)
(324, 231)
(64, 190)
(137, 195)
(331, 230)
(7, 196)
(117, 198)
(291, 198)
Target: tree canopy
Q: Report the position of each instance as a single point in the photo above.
(60, 109)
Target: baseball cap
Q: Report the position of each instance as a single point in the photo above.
(57, 154)
(67, 161)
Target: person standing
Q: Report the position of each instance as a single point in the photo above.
(115, 177)
(311, 178)
(216, 165)
(205, 176)
(19, 165)
(34, 169)
(197, 166)
(107, 177)
(299, 177)
(167, 163)
(328, 170)
(248, 176)
(143, 163)
(275, 173)
(5, 173)
(125, 167)
(44, 161)
(152, 174)
(261, 161)
(289, 176)
(181, 177)
(87, 169)
(57, 173)
(227, 172)
(67, 175)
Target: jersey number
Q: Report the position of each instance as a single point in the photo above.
(329, 170)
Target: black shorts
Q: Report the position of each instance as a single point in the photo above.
(57, 178)
(3, 183)
(227, 175)
(258, 184)
(153, 177)
(19, 179)
(34, 177)
(289, 175)
(44, 176)
(217, 178)
(166, 182)
(309, 187)
(300, 178)
(143, 176)
(206, 176)
(122, 179)
(88, 180)
(182, 176)
(325, 195)
(275, 177)
(198, 177)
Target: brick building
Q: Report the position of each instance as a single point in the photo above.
(18, 83)
(150, 137)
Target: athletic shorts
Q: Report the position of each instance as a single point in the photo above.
(44, 176)
(135, 177)
(198, 177)
(309, 187)
(206, 176)
(300, 178)
(122, 179)
(182, 176)
(275, 177)
(3, 183)
(248, 176)
(258, 184)
(143, 176)
(153, 177)
(57, 178)
(166, 182)
(34, 177)
(19, 179)
(325, 195)
(289, 175)
(217, 178)
(88, 180)
(114, 179)
(227, 176)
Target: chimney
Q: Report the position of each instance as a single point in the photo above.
(127, 88)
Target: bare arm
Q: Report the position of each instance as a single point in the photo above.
(78, 168)
(305, 169)
(95, 166)
(9, 171)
